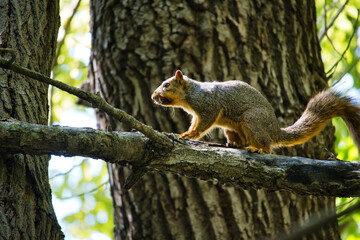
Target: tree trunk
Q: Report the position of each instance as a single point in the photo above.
(30, 28)
(272, 46)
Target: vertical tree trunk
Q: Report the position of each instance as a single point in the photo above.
(30, 28)
(271, 45)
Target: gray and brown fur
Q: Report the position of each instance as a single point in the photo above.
(247, 117)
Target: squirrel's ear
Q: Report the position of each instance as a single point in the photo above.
(179, 76)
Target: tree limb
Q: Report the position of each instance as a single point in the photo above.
(95, 100)
(191, 158)
(115, 147)
(194, 159)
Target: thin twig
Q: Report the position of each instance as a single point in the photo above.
(66, 30)
(97, 102)
(84, 193)
(332, 44)
(326, 32)
(345, 203)
(347, 47)
(323, 31)
(343, 73)
(58, 49)
(332, 5)
(325, 26)
(67, 172)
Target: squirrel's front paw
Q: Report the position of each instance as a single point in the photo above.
(190, 135)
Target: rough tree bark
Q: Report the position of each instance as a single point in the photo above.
(26, 210)
(203, 160)
(271, 45)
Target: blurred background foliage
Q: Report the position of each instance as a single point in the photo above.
(81, 195)
(73, 51)
(80, 187)
(340, 49)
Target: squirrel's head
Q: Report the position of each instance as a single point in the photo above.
(172, 91)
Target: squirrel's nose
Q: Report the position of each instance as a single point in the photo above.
(153, 96)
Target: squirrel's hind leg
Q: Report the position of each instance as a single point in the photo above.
(234, 139)
(254, 127)
(259, 141)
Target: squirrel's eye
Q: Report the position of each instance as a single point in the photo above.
(166, 85)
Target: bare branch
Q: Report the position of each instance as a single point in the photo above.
(326, 32)
(327, 9)
(95, 100)
(17, 137)
(347, 47)
(323, 31)
(60, 43)
(69, 171)
(191, 158)
(343, 205)
(66, 29)
(341, 75)
(85, 193)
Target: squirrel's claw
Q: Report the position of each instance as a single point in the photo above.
(194, 134)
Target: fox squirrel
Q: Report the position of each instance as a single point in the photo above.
(246, 115)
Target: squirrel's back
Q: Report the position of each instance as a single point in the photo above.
(228, 96)
(246, 115)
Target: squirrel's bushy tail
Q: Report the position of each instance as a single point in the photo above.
(321, 109)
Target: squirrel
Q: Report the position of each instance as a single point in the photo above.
(247, 117)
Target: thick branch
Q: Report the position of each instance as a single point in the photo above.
(18, 137)
(194, 159)
(95, 100)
